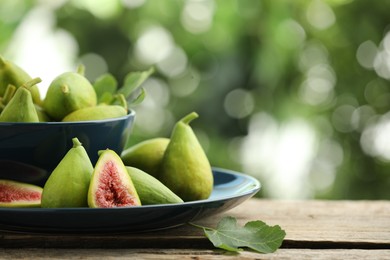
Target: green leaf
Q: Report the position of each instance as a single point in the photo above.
(138, 99)
(105, 86)
(133, 80)
(255, 235)
(106, 98)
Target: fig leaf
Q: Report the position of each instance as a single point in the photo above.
(105, 85)
(256, 235)
(133, 81)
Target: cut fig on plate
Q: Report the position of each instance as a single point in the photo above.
(15, 194)
(111, 186)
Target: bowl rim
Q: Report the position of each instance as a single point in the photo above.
(131, 113)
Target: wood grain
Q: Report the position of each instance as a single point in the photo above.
(333, 221)
(174, 254)
(315, 229)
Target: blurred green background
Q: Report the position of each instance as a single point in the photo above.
(295, 93)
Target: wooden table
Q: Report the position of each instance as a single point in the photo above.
(315, 230)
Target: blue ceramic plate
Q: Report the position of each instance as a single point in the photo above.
(230, 189)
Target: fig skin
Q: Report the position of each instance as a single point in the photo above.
(185, 168)
(95, 113)
(146, 155)
(10, 73)
(111, 186)
(68, 184)
(21, 107)
(15, 194)
(68, 92)
(150, 190)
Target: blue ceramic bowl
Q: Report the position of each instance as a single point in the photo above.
(29, 152)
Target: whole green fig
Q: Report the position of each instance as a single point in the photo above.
(185, 168)
(68, 184)
(150, 190)
(69, 92)
(21, 107)
(146, 155)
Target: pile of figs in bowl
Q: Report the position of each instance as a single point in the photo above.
(36, 132)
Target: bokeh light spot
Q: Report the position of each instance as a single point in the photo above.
(174, 64)
(375, 139)
(290, 34)
(366, 54)
(342, 117)
(320, 15)
(376, 93)
(185, 84)
(382, 59)
(154, 45)
(95, 65)
(197, 15)
(280, 154)
(103, 9)
(361, 116)
(312, 54)
(239, 103)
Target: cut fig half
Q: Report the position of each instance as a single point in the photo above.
(111, 186)
(15, 194)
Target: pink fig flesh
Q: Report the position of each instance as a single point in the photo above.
(111, 191)
(18, 194)
(111, 186)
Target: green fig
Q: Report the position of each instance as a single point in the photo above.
(68, 92)
(18, 194)
(111, 186)
(42, 115)
(146, 155)
(185, 168)
(68, 184)
(99, 112)
(150, 190)
(21, 107)
(11, 73)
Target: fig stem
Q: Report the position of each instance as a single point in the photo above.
(9, 93)
(76, 142)
(122, 100)
(100, 152)
(188, 118)
(81, 69)
(32, 82)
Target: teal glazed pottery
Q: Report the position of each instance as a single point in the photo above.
(29, 152)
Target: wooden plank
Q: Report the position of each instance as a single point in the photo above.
(157, 254)
(333, 221)
(308, 224)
